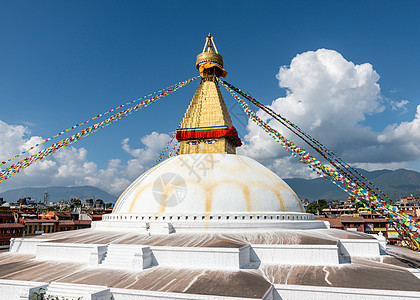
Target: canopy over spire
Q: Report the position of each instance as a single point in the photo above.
(210, 62)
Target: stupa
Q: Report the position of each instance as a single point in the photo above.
(208, 187)
(209, 224)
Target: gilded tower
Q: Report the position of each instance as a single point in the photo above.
(207, 127)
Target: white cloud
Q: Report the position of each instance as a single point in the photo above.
(154, 143)
(401, 105)
(111, 179)
(70, 166)
(380, 166)
(288, 168)
(329, 97)
(403, 138)
(15, 140)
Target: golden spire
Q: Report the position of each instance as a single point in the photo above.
(207, 127)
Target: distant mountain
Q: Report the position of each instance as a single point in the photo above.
(57, 193)
(395, 184)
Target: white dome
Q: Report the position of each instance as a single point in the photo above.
(208, 183)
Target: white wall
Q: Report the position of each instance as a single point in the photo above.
(360, 248)
(14, 289)
(201, 257)
(296, 254)
(121, 294)
(79, 253)
(25, 245)
(299, 292)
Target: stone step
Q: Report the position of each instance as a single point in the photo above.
(131, 257)
(118, 259)
(119, 248)
(75, 291)
(108, 255)
(115, 267)
(124, 246)
(111, 253)
(123, 264)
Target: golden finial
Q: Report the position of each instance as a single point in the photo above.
(209, 44)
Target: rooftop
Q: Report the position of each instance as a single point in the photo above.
(387, 272)
(229, 240)
(11, 225)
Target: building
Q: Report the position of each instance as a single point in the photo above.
(344, 215)
(208, 224)
(6, 216)
(410, 205)
(49, 222)
(366, 225)
(8, 228)
(9, 231)
(337, 209)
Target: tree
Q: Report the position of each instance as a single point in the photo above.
(322, 203)
(312, 208)
(317, 207)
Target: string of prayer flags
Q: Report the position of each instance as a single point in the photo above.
(87, 121)
(26, 162)
(342, 180)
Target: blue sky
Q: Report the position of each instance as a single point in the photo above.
(63, 62)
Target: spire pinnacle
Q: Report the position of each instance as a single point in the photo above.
(209, 45)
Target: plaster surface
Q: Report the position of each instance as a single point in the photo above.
(203, 183)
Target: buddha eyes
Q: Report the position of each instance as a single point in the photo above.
(198, 142)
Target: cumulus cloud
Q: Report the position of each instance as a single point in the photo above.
(15, 139)
(330, 98)
(144, 157)
(326, 95)
(404, 138)
(154, 142)
(399, 105)
(71, 167)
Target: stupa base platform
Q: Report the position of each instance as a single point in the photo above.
(207, 223)
(282, 264)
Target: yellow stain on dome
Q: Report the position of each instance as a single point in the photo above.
(130, 210)
(208, 199)
(280, 198)
(169, 191)
(299, 202)
(245, 190)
